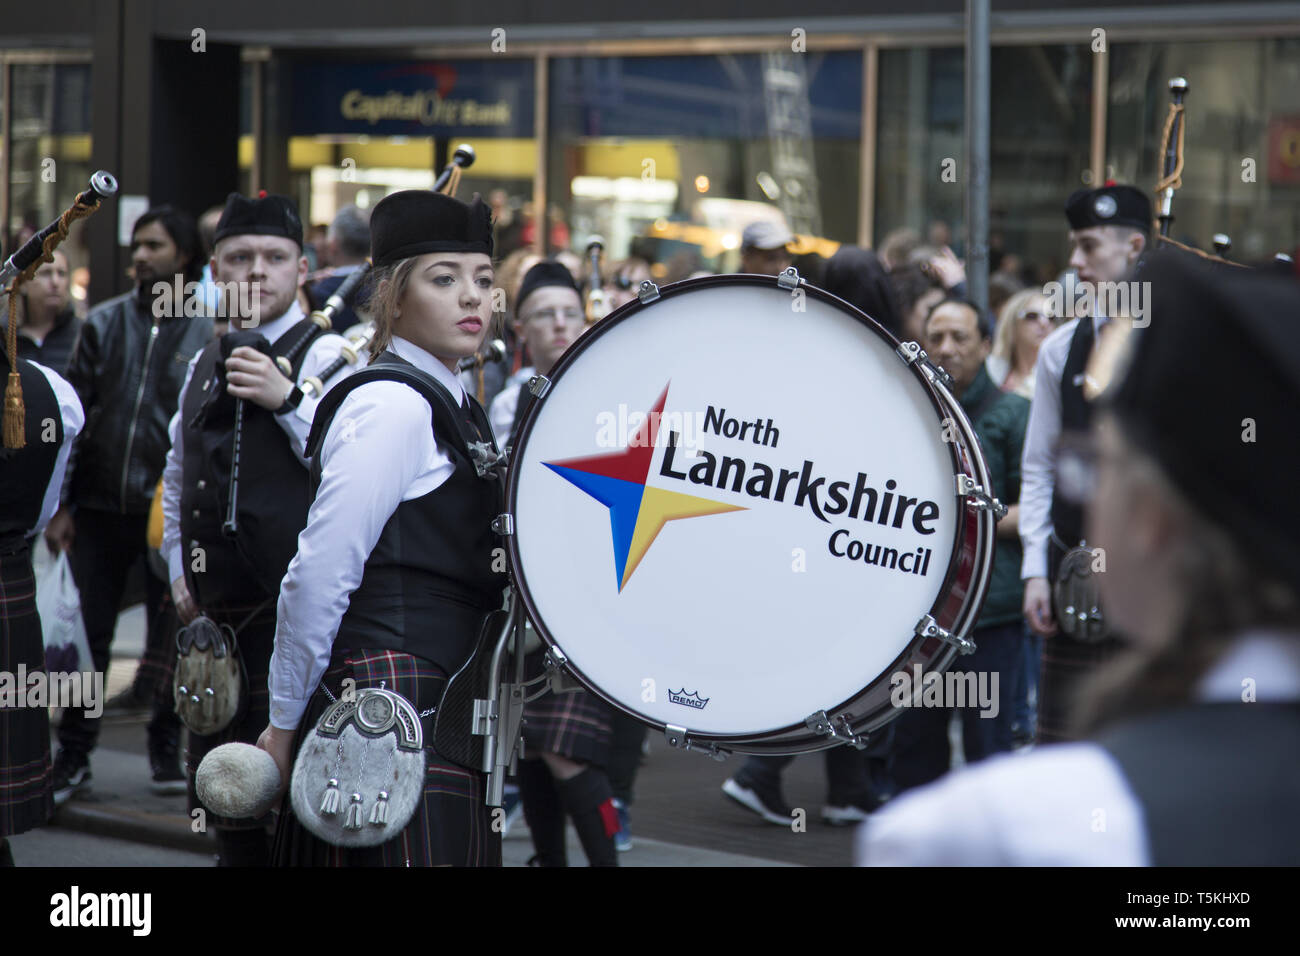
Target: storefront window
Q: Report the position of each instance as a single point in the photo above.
(1241, 167)
(1039, 138)
(357, 131)
(670, 157)
(50, 161)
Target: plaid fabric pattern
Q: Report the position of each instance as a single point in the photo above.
(1066, 664)
(159, 658)
(452, 825)
(574, 724)
(256, 640)
(26, 794)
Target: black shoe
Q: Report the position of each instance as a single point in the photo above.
(767, 804)
(168, 778)
(128, 701)
(71, 776)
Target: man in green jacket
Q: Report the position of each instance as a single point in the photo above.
(981, 686)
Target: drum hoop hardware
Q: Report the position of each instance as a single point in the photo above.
(968, 488)
(504, 524)
(648, 292)
(678, 738)
(824, 726)
(539, 385)
(912, 353)
(789, 279)
(555, 665)
(929, 627)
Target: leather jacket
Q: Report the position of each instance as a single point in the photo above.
(128, 368)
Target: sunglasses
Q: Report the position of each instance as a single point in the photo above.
(1034, 317)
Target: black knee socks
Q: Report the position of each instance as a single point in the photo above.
(543, 812)
(243, 847)
(589, 802)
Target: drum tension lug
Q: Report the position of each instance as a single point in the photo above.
(789, 279)
(929, 627)
(557, 678)
(647, 292)
(539, 385)
(910, 353)
(979, 498)
(504, 524)
(822, 725)
(678, 738)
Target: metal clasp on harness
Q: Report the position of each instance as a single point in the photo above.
(647, 292)
(929, 627)
(978, 497)
(822, 725)
(486, 458)
(678, 737)
(789, 279)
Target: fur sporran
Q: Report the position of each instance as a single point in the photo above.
(359, 776)
(209, 683)
(1078, 599)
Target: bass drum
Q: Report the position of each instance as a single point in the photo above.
(741, 507)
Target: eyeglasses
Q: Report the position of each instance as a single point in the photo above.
(546, 316)
(1035, 317)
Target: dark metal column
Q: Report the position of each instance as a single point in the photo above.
(977, 151)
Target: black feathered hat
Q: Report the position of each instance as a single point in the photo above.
(548, 272)
(1111, 205)
(263, 216)
(1229, 447)
(416, 221)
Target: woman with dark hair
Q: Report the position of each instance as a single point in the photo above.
(1195, 726)
(858, 277)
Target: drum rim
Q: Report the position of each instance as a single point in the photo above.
(794, 737)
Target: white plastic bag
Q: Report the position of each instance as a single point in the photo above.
(59, 604)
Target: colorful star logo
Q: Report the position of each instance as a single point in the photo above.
(637, 513)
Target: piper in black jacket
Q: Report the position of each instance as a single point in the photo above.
(127, 368)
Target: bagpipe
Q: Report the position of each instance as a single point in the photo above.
(20, 267)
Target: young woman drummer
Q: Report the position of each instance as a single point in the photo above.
(394, 571)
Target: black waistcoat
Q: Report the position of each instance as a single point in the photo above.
(1076, 414)
(437, 568)
(25, 472)
(274, 488)
(1219, 784)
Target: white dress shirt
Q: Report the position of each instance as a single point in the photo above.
(296, 424)
(1038, 461)
(1059, 805)
(74, 417)
(501, 414)
(379, 451)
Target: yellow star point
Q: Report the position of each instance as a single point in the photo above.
(658, 507)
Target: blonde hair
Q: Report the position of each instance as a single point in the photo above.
(1004, 338)
(1222, 592)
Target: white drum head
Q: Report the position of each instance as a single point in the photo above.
(714, 597)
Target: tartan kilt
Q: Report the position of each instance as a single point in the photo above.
(26, 774)
(574, 724)
(452, 825)
(1067, 663)
(256, 641)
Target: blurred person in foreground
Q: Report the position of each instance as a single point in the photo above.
(1193, 729)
